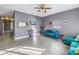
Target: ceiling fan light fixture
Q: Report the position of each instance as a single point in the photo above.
(43, 8)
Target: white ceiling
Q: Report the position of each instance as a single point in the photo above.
(29, 8)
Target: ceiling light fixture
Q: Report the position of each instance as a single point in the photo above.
(42, 8)
(5, 17)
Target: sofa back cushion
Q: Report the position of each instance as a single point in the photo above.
(77, 50)
(77, 38)
(50, 31)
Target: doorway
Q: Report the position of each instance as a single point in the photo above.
(7, 28)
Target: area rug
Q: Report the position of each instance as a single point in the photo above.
(23, 50)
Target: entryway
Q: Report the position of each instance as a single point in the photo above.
(6, 27)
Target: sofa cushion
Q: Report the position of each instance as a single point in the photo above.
(67, 39)
(77, 38)
(50, 31)
(77, 50)
(75, 44)
(71, 51)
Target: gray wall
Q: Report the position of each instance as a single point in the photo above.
(22, 17)
(72, 21)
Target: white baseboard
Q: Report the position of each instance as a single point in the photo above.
(21, 37)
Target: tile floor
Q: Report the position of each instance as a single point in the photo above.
(52, 46)
(22, 50)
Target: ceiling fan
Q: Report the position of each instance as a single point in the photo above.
(42, 8)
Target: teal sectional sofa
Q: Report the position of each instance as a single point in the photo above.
(73, 46)
(50, 33)
(67, 40)
(72, 43)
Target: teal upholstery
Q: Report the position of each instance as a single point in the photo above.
(73, 47)
(71, 50)
(72, 42)
(77, 38)
(67, 40)
(50, 33)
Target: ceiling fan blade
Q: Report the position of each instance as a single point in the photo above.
(48, 8)
(38, 11)
(36, 7)
(45, 11)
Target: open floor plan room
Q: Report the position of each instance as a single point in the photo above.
(39, 29)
